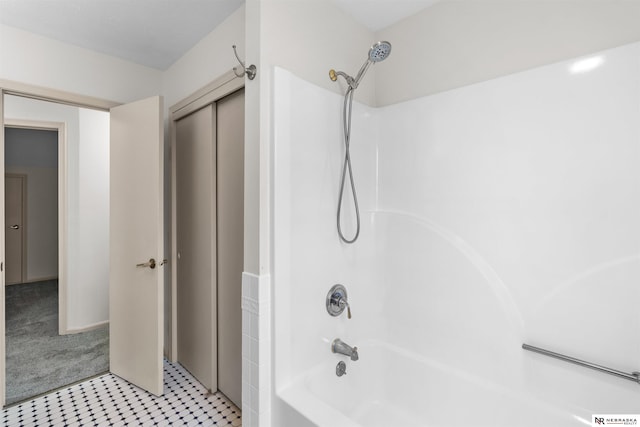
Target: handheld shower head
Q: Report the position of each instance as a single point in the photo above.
(377, 53)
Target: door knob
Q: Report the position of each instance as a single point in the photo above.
(151, 264)
(15, 227)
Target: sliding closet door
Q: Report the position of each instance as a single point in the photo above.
(210, 236)
(196, 244)
(230, 138)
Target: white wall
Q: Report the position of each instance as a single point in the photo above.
(494, 214)
(42, 197)
(87, 203)
(89, 296)
(457, 43)
(36, 60)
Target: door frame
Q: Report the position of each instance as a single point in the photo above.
(23, 220)
(61, 128)
(8, 87)
(224, 85)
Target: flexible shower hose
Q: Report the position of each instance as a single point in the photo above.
(346, 168)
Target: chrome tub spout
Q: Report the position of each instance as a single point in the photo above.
(340, 347)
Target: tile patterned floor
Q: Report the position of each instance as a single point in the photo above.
(111, 401)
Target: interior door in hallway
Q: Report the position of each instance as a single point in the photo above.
(136, 238)
(15, 187)
(230, 137)
(196, 244)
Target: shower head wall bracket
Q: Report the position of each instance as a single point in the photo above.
(333, 75)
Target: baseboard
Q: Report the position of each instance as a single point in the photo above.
(85, 328)
(40, 279)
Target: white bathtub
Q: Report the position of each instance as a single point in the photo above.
(390, 387)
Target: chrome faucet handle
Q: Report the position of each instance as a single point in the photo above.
(342, 303)
(337, 301)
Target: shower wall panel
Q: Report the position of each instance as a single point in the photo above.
(310, 258)
(512, 209)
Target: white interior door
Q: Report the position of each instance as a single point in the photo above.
(136, 244)
(14, 233)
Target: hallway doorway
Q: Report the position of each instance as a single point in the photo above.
(122, 144)
(46, 348)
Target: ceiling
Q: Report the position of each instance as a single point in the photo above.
(156, 33)
(378, 14)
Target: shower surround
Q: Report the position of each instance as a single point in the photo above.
(494, 214)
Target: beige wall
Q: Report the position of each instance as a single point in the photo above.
(208, 59)
(457, 43)
(36, 60)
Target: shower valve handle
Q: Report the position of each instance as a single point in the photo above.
(342, 303)
(337, 301)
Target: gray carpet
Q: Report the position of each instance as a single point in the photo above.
(38, 359)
